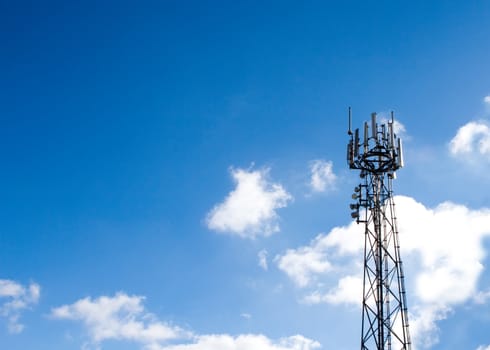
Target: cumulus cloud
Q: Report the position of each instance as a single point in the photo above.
(322, 176)
(124, 318)
(250, 209)
(483, 347)
(14, 299)
(442, 248)
(303, 264)
(449, 241)
(246, 342)
(471, 140)
(121, 317)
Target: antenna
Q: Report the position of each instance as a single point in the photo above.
(391, 135)
(384, 304)
(400, 153)
(356, 142)
(366, 136)
(350, 121)
(373, 125)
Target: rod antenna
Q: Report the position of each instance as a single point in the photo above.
(350, 122)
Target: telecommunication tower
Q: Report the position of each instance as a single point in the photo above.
(384, 307)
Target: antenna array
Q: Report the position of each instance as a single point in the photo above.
(380, 151)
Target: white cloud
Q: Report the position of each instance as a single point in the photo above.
(442, 249)
(246, 342)
(447, 243)
(483, 347)
(486, 100)
(304, 263)
(124, 318)
(250, 209)
(262, 255)
(347, 291)
(121, 317)
(448, 239)
(423, 320)
(481, 297)
(398, 128)
(322, 176)
(471, 140)
(18, 298)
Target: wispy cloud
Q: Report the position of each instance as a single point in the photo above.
(250, 209)
(246, 315)
(486, 100)
(262, 255)
(442, 247)
(398, 128)
(18, 298)
(481, 297)
(124, 318)
(322, 177)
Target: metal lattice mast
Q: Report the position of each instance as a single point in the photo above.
(384, 305)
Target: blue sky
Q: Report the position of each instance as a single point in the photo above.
(174, 176)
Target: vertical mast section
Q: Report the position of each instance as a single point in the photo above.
(384, 307)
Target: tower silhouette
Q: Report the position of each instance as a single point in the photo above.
(384, 307)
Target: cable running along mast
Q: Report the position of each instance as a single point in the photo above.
(384, 307)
